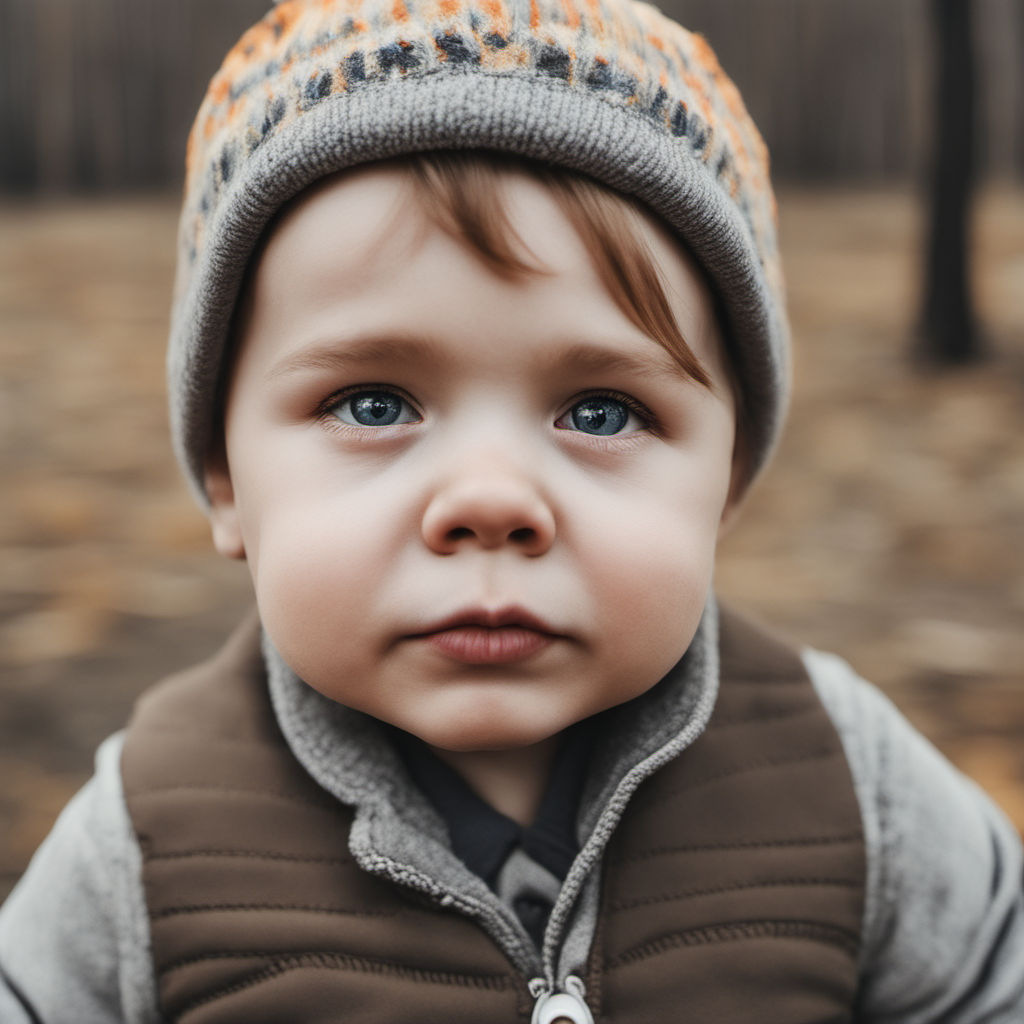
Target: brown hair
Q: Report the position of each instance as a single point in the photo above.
(462, 195)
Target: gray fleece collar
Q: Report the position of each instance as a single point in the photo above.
(397, 834)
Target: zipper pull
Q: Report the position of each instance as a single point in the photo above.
(565, 1007)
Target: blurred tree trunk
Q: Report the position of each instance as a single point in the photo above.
(949, 333)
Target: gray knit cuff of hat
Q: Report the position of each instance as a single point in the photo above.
(611, 88)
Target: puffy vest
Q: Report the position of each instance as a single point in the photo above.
(732, 890)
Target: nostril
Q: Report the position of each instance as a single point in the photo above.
(488, 515)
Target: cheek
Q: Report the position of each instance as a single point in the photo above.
(649, 580)
(306, 515)
(659, 575)
(316, 569)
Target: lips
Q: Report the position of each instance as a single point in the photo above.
(489, 637)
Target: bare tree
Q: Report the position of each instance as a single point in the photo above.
(949, 331)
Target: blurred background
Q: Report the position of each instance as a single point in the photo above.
(890, 528)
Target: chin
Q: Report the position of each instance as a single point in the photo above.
(470, 733)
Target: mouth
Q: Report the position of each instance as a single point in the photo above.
(489, 637)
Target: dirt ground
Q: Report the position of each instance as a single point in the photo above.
(890, 528)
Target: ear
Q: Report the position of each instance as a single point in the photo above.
(223, 514)
(737, 487)
(730, 513)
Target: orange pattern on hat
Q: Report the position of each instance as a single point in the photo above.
(304, 51)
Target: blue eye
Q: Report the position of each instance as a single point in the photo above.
(374, 409)
(601, 415)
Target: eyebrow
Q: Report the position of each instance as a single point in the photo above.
(599, 359)
(342, 354)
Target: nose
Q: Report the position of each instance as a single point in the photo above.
(491, 510)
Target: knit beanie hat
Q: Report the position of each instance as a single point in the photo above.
(611, 88)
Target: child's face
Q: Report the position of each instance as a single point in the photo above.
(477, 509)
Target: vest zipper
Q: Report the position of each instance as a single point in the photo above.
(554, 1007)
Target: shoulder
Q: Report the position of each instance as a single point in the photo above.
(74, 931)
(944, 916)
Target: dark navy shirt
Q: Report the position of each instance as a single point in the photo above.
(483, 838)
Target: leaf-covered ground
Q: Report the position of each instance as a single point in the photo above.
(890, 527)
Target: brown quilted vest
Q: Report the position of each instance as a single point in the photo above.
(732, 889)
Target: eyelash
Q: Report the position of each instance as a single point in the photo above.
(323, 411)
(635, 406)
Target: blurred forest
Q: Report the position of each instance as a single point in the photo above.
(890, 528)
(99, 95)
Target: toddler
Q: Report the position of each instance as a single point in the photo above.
(478, 343)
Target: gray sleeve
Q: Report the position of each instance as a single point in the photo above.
(74, 935)
(944, 917)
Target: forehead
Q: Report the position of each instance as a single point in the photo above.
(360, 247)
